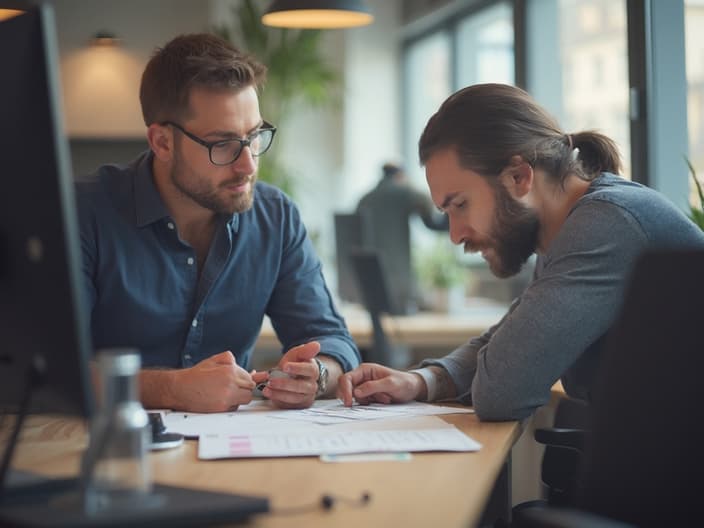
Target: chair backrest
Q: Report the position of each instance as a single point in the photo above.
(357, 231)
(645, 453)
(349, 235)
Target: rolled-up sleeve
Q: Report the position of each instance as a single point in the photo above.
(301, 307)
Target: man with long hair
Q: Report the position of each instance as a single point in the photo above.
(512, 184)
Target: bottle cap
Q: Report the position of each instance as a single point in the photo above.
(119, 361)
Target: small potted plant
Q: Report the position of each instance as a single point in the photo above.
(440, 274)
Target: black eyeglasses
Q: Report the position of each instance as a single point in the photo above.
(227, 151)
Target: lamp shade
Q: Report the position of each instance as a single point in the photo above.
(317, 14)
(9, 13)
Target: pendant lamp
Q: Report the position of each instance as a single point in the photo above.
(9, 13)
(317, 14)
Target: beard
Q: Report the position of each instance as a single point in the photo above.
(215, 197)
(513, 237)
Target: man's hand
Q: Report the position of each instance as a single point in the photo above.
(297, 391)
(216, 384)
(373, 383)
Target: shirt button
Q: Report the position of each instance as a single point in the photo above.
(190, 261)
(187, 357)
(170, 225)
(194, 323)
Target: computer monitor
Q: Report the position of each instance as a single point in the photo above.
(45, 347)
(43, 325)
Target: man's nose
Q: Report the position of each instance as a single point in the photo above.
(245, 163)
(457, 231)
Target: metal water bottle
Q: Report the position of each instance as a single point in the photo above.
(120, 434)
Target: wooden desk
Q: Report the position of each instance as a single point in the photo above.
(440, 331)
(433, 489)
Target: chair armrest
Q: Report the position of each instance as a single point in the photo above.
(560, 437)
(564, 518)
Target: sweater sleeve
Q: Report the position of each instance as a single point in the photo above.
(569, 305)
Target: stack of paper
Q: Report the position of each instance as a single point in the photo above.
(317, 442)
(327, 428)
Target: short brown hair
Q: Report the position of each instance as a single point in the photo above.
(488, 124)
(198, 60)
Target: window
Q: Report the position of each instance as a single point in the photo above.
(427, 83)
(485, 47)
(578, 66)
(694, 52)
(475, 46)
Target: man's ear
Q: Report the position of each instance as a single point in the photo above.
(518, 177)
(161, 141)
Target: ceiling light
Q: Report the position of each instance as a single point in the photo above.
(317, 14)
(104, 38)
(9, 13)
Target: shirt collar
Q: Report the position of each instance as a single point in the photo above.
(149, 207)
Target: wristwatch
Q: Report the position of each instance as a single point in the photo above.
(322, 378)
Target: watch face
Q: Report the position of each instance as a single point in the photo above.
(322, 377)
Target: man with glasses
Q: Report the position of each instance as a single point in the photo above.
(184, 252)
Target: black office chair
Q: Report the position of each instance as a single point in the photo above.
(564, 450)
(565, 443)
(644, 455)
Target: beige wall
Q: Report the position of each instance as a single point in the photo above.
(100, 85)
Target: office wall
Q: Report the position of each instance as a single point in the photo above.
(100, 84)
(372, 101)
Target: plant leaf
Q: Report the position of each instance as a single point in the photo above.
(297, 73)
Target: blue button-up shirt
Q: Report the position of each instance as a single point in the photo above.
(144, 291)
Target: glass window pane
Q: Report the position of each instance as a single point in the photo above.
(427, 84)
(485, 47)
(694, 50)
(595, 53)
(578, 66)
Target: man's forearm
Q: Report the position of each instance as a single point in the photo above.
(156, 389)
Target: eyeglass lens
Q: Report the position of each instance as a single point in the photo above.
(225, 152)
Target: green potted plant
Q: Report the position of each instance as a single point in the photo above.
(696, 213)
(440, 274)
(297, 74)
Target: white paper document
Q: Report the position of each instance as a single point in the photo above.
(261, 416)
(319, 442)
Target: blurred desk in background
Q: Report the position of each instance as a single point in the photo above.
(427, 334)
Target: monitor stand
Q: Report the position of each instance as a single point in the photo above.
(59, 503)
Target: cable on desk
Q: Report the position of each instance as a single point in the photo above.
(327, 502)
